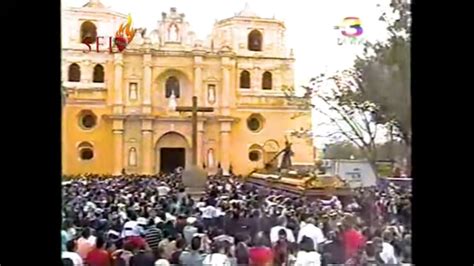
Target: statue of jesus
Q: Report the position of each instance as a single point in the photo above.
(287, 153)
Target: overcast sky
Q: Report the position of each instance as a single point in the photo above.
(310, 24)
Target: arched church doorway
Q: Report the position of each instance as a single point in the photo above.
(172, 151)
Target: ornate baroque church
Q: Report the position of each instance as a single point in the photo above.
(117, 114)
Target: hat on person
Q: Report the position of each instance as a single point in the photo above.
(142, 221)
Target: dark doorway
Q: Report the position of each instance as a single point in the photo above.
(171, 158)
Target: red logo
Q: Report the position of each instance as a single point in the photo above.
(123, 37)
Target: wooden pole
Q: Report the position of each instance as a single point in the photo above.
(194, 109)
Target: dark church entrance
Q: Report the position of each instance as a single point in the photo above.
(171, 158)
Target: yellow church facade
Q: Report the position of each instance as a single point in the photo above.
(117, 113)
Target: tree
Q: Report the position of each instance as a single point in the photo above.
(375, 93)
(342, 150)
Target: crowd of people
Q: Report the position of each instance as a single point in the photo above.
(148, 221)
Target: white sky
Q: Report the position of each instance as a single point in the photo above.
(309, 25)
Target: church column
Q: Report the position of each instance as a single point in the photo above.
(147, 147)
(200, 139)
(198, 90)
(225, 86)
(118, 145)
(225, 146)
(87, 71)
(146, 99)
(256, 79)
(118, 102)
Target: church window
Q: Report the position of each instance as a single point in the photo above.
(255, 41)
(86, 151)
(133, 91)
(172, 85)
(254, 156)
(132, 157)
(267, 81)
(74, 73)
(88, 32)
(255, 122)
(245, 79)
(87, 119)
(98, 76)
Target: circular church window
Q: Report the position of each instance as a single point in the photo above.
(255, 122)
(87, 120)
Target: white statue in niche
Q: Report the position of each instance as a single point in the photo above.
(132, 157)
(133, 91)
(173, 33)
(210, 158)
(211, 93)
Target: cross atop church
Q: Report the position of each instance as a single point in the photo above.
(194, 109)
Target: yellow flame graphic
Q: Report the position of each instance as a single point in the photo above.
(126, 30)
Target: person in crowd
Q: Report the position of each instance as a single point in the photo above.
(333, 250)
(161, 260)
(307, 255)
(70, 253)
(99, 256)
(64, 238)
(190, 230)
(281, 225)
(144, 257)
(260, 254)
(353, 239)
(168, 244)
(218, 256)
(281, 249)
(388, 251)
(180, 245)
(242, 249)
(309, 229)
(153, 236)
(192, 256)
(84, 243)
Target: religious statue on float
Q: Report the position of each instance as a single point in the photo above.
(287, 153)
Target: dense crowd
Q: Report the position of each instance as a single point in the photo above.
(141, 221)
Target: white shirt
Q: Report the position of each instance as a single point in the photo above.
(274, 234)
(130, 228)
(313, 232)
(209, 212)
(76, 259)
(388, 254)
(216, 259)
(163, 190)
(308, 259)
(91, 240)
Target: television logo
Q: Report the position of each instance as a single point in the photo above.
(122, 38)
(351, 30)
